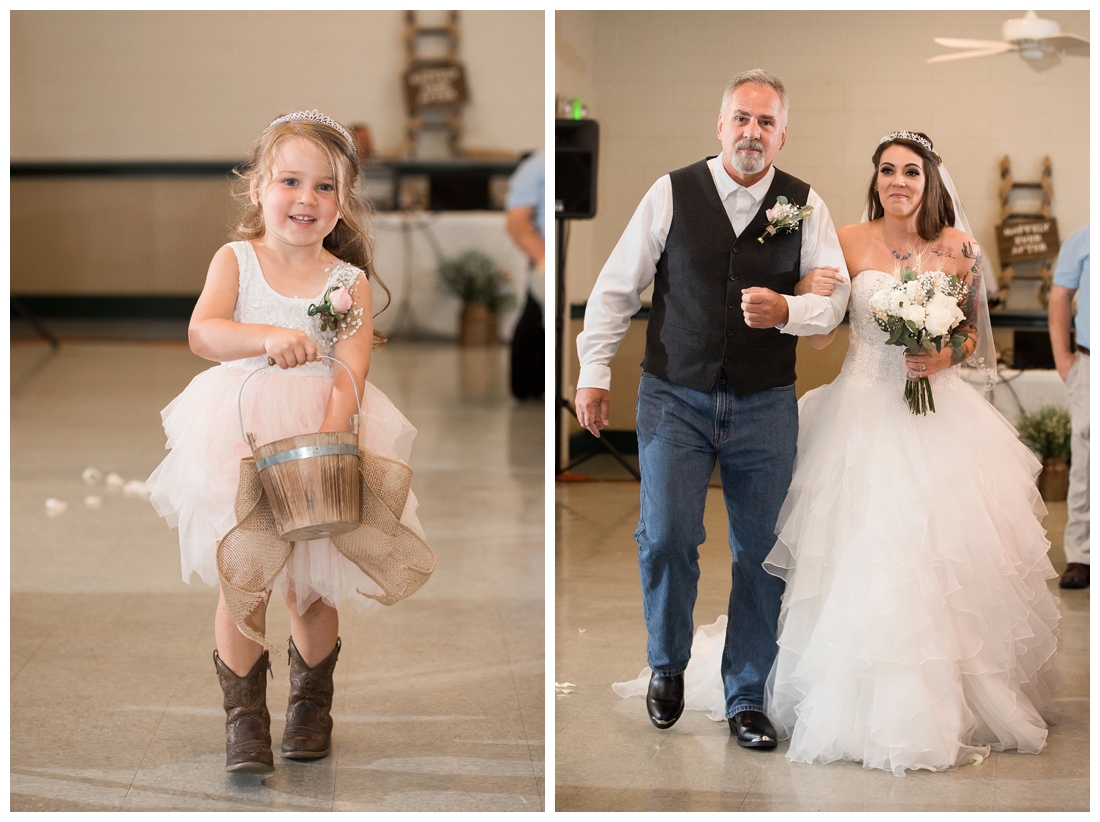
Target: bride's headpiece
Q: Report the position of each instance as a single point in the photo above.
(907, 135)
(314, 116)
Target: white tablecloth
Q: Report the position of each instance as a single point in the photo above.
(1030, 389)
(407, 251)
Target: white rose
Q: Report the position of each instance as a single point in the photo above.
(943, 314)
(914, 314)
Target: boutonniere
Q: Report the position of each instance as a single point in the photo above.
(334, 307)
(784, 215)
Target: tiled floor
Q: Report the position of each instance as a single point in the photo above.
(114, 702)
(610, 758)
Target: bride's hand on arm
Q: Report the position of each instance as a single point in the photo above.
(820, 281)
(355, 353)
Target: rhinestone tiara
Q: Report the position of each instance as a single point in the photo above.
(316, 117)
(906, 135)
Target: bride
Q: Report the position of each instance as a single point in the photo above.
(916, 629)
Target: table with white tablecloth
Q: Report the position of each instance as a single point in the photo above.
(1019, 392)
(409, 247)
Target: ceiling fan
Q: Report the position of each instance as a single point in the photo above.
(1039, 41)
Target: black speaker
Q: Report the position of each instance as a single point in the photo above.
(577, 144)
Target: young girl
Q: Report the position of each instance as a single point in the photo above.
(304, 231)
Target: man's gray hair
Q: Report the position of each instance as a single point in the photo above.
(758, 77)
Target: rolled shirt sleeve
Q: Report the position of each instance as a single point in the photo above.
(814, 313)
(616, 296)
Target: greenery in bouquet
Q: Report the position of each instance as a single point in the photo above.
(475, 278)
(921, 312)
(1048, 431)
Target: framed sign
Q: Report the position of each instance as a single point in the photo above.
(434, 83)
(1021, 240)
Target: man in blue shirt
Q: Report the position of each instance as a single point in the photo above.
(526, 225)
(1071, 278)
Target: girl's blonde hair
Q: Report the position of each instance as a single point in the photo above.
(351, 240)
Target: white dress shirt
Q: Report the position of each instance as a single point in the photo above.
(632, 266)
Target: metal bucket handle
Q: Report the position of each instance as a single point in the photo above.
(270, 362)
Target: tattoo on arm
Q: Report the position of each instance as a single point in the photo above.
(943, 251)
(973, 278)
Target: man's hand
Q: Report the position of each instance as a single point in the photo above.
(763, 308)
(593, 409)
(1063, 363)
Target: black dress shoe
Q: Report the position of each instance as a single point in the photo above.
(1076, 576)
(753, 730)
(665, 700)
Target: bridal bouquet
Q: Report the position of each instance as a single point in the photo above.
(921, 312)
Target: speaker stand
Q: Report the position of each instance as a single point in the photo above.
(562, 402)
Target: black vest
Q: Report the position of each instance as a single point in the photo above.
(697, 333)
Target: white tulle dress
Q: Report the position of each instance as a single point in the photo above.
(195, 486)
(917, 629)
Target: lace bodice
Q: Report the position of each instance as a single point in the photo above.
(258, 302)
(870, 360)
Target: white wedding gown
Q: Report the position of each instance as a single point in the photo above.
(917, 629)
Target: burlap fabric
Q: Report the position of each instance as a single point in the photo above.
(251, 554)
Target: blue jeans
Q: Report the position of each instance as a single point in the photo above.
(680, 434)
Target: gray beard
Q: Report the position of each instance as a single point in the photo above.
(748, 163)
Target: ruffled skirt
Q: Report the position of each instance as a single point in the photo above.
(194, 488)
(917, 629)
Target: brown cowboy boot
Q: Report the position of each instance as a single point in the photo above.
(247, 722)
(308, 732)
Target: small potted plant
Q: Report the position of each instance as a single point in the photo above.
(478, 281)
(1048, 431)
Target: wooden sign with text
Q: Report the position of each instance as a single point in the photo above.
(1023, 240)
(434, 83)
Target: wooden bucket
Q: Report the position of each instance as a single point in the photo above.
(311, 480)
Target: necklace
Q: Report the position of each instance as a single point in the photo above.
(894, 251)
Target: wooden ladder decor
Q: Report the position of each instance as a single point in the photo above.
(435, 87)
(1027, 236)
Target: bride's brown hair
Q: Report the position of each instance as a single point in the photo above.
(351, 240)
(936, 211)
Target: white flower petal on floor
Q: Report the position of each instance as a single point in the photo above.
(92, 475)
(54, 507)
(115, 481)
(136, 488)
(93, 502)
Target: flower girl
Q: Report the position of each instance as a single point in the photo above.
(294, 287)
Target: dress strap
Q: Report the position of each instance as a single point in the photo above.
(248, 264)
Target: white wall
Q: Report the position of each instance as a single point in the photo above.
(183, 85)
(654, 81)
